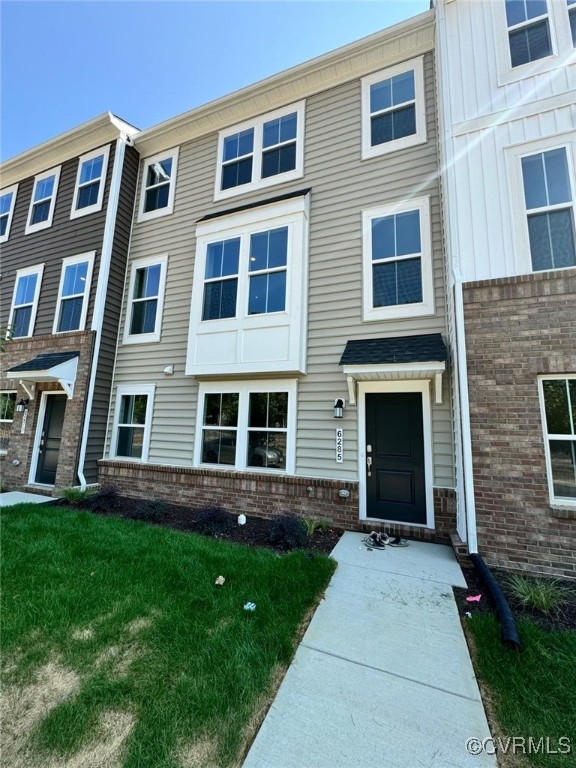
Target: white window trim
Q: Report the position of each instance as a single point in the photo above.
(519, 214)
(14, 191)
(560, 500)
(146, 338)
(244, 389)
(365, 387)
(75, 213)
(70, 260)
(38, 269)
(169, 209)
(257, 124)
(134, 389)
(560, 41)
(7, 421)
(369, 151)
(426, 306)
(292, 213)
(30, 228)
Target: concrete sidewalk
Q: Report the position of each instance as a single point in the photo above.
(383, 677)
(16, 497)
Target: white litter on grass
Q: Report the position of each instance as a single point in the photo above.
(250, 607)
(220, 580)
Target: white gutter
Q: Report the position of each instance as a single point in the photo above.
(468, 469)
(102, 289)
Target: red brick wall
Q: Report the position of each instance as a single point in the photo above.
(264, 495)
(516, 330)
(21, 445)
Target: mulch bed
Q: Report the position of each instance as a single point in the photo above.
(563, 618)
(254, 533)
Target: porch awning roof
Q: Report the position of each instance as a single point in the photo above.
(60, 367)
(399, 357)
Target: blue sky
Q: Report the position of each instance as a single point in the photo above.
(63, 63)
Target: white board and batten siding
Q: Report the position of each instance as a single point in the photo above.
(342, 186)
(491, 114)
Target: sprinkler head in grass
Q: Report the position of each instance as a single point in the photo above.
(241, 519)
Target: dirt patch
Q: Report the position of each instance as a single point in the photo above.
(107, 749)
(23, 707)
(199, 754)
(118, 659)
(82, 634)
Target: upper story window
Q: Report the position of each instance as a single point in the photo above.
(249, 293)
(572, 18)
(25, 301)
(247, 425)
(398, 280)
(132, 422)
(146, 300)
(558, 403)
(158, 185)
(7, 203)
(90, 183)
(528, 30)
(43, 201)
(74, 292)
(7, 405)
(549, 202)
(393, 109)
(265, 151)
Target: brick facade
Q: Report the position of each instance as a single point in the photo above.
(516, 330)
(20, 447)
(265, 496)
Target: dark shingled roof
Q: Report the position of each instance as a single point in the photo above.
(400, 349)
(43, 362)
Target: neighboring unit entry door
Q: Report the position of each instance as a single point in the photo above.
(50, 439)
(395, 477)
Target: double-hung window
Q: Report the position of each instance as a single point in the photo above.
(549, 203)
(74, 293)
(132, 422)
(7, 405)
(25, 301)
(90, 182)
(265, 151)
(43, 201)
(221, 279)
(146, 300)
(528, 30)
(7, 203)
(393, 109)
(558, 402)
(397, 261)
(247, 425)
(158, 185)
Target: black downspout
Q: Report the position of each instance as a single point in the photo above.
(510, 636)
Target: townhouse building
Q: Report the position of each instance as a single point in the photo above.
(65, 216)
(507, 84)
(283, 333)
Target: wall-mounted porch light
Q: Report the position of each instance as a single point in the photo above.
(21, 405)
(339, 408)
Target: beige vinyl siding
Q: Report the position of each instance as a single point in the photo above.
(342, 186)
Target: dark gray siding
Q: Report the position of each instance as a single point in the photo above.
(66, 237)
(97, 429)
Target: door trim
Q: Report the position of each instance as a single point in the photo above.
(384, 387)
(38, 437)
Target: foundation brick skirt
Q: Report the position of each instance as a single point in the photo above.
(266, 496)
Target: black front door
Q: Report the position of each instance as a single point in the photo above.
(50, 439)
(395, 479)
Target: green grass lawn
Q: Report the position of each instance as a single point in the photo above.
(118, 649)
(532, 693)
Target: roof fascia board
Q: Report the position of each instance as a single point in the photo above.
(394, 44)
(101, 129)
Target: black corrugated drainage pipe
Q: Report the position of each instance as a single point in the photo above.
(510, 636)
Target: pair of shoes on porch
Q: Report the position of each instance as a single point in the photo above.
(381, 540)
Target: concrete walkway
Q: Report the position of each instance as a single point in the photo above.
(16, 497)
(383, 677)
